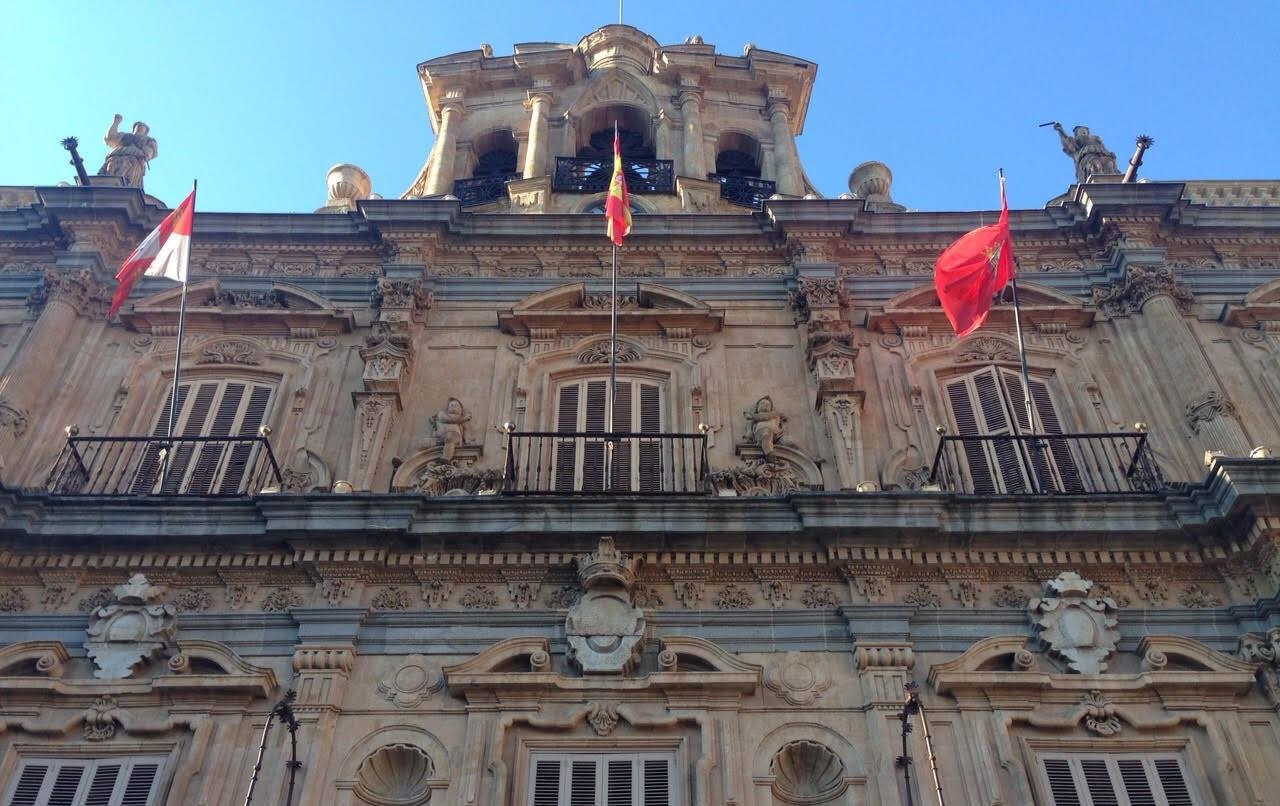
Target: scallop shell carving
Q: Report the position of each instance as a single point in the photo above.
(807, 773)
(395, 775)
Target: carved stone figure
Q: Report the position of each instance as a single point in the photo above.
(131, 151)
(1077, 628)
(1088, 152)
(605, 629)
(450, 426)
(766, 426)
(129, 630)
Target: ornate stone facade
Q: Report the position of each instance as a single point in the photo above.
(857, 516)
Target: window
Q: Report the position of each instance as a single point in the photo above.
(580, 461)
(212, 408)
(989, 402)
(602, 779)
(1113, 779)
(122, 781)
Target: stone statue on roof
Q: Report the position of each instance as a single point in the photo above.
(131, 151)
(1087, 151)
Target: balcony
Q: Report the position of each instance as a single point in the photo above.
(482, 189)
(1048, 464)
(577, 463)
(577, 175)
(744, 191)
(217, 466)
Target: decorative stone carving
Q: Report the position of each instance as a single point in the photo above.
(766, 426)
(100, 719)
(81, 290)
(230, 351)
(1209, 407)
(817, 597)
(922, 596)
(395, 775)
(689, 593)
(404, 295)
(450, 426)
(871, 182)
(759, 477)
(391, 599)
(598, 353)
(131, 152)
(280, 600)
(1087, 151)
(13, 600)
(984, 350)
(564, 597)
(481, 597)
(336, 591)
(646, 596)
(965, 591)
(605, 629)
(1141, 283)
(55, 596)
(603, 717)
(1195, 596)
(411, 685)
(346, 185)
(271, 298)
(797, 679)
(1152, 590)
(436, 592)
(193, 600)
(776, 591)
(1100, 714)
(386, 359)
(523, 593)
(734, 597)
(238, 595)
(1009, 596)
(807, 772)
(130, 630)
(448, 479)
(1077, 628)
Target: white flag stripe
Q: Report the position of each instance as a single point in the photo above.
(171, 258)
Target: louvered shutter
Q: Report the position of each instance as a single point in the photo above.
(1058, 471)
(211, 453)
(994, 408)
(619, 783)
(103, 785)
(149, 468)
(1062, 783)
(142, 780)
(66, 785)
(30, 781)
(546, 783)
(975, 453)
(583, 776)
(593, 421)
(650, 451)
(1098, 783)
(242, 454)
(566, 448)
(1116, 780)
(657, 782)
(191, 422)
(623, 460)
(1172, 781)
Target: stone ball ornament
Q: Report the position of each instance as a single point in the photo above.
(347, 183)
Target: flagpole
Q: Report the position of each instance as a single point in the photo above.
(613, 357)
(177, 356)
(1022, 358)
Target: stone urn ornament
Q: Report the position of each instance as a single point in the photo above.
(130, 630)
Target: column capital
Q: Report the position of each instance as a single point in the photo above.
(690, 95)
(453, 107)
(778, 105)
(538, 97)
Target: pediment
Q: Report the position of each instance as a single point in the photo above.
(216, 306)
(614, 87)
(641, 309)
(1040, 306)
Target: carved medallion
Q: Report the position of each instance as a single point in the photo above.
(131, 629)
(605, 629)
(797, 680)
(1077, 628)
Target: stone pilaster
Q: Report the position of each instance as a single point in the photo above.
(884, 668)
(693, 154)
(444, 153)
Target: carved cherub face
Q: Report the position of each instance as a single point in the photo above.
(764, 405)
(453, 406)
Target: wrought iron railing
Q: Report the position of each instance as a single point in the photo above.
(579, 462)
(744, 191)
(225, 466)
(482, 189)
(1053, 464)
(577, 175)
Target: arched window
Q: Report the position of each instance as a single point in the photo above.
(496, 155)
(580, 462)
(737, 155)
(989, 403)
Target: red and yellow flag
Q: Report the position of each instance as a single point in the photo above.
(617, 205)
(973, 270)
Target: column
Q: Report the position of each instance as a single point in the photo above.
(535, 156)
(692, 151)
(443, 155)
(786, 158)
(662, 135)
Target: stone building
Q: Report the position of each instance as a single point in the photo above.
(387, 489)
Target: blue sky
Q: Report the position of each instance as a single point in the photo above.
(258, 99)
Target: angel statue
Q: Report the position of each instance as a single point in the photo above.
(450, 426)
(766, 426)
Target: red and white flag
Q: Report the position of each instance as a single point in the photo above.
(164, 253)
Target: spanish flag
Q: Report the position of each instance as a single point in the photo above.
(617, 206)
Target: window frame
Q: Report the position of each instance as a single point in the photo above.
(639, 455)
(601, 758)
(1035, 750)
(90, 762)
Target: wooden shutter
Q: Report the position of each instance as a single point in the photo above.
(583, 777)
(546, 783)
(967, 425)
(623, 458)
(566, 449)
(149, 467)
(601, 779)
(650, 452)
(619, 782)
(657, 782)
(30, 781)
(1062, 784)
(1136, 785)
(1098, 783)
(580, 462)
(119, 781)
(1172, 781)
(66, 785)
(1058, 471)
(141, 782)
(1115, 779)
(242, 454)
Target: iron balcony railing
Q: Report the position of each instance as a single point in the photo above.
(744, 191)
(1052, 464)
(224, 466)
(482, 189)
(577, 175)
(578, 462)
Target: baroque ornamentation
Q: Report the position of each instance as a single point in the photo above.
(131, 152)
(806, 772)
(646, 596)
(523, 593)
(766, 426)
(280, 600)
(229, 352)
(445, 479)
(733, 597)
(13, 600)
(689, 592)
(1087, 151)
(605, 629)
(411, 685)
(985, 349)
(1009, 596)
(238, 595)
(598, 353)
(450, 426)
(100, 719)
(271, 298)
(481, 597)
(1100, 714)
(759, 477)
(395, 775)
(603, 717)
(1208, 408)
(564, 597)
(798, 680)
(55, 596)
(776, 591)
(193, 600)
(1141, 283)
(435, 593)
(1076, 627)
(131, 629)
(391, 599)
(922, 596)
(1195, 596)
(1152, 590)
(817, 597)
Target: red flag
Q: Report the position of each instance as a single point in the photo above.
(164, 253)
(973, 270)
(617, 205)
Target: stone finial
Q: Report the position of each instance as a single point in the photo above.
(871, 182)
(1076, 627)
(130, 629)
(347, 184)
